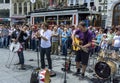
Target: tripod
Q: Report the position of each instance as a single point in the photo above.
(8, 64)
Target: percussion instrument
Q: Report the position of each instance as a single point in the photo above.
(105, 69)
(101, 56)
(14, 47)
(44, 76)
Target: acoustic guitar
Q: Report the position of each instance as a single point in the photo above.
(77, 45)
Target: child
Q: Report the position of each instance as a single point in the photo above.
(104, 42)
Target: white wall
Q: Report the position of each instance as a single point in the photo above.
(4, 6)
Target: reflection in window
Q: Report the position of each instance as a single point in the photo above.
(25, 7)
(15, 8)
(20, 8)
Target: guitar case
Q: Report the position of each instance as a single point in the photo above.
(34, 76)
(40, 76)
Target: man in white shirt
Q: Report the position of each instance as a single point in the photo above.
(45, 45)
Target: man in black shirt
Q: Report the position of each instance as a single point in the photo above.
(18, 36)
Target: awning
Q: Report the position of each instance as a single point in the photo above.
(18, 17)
(4, 19)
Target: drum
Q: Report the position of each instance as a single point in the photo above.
(44, 76)
(105, 69)
(100, 58)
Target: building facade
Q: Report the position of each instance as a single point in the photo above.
(21, 8)
(113, 13)
(4, 11)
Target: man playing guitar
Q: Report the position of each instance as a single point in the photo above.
(82, 54)
(18, 37)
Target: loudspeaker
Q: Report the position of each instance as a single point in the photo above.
(91, 4)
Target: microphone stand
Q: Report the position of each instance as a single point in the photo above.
(38, 50)
(65, 80)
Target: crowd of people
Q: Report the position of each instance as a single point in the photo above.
(60, 33)
(56, 39)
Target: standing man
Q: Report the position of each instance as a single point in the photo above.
(45, 45)
(55, 40)
(85, 38)
(18, 36)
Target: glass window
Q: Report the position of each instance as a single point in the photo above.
(39, 5)
(77, 2)
(30, 6)
(25, 7)
(7, 1)
(34, 6)
(99, 8)
(15, 8)
(1, 1)
(100, 0)
(20, 8)
(92, 0)
(71, 1)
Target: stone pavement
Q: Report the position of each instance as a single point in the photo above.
(13, 75)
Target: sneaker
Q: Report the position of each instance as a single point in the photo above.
(81, 77)
(17, 64)
(76, 74)
(22, 67)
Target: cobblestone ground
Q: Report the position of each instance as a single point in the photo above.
(13, 75)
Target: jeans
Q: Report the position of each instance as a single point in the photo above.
(5, 41)
(33, 44)
(64, 46)
(43, 52)
(116, 48)
(21, 57)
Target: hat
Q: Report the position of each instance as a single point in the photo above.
(96, 31)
